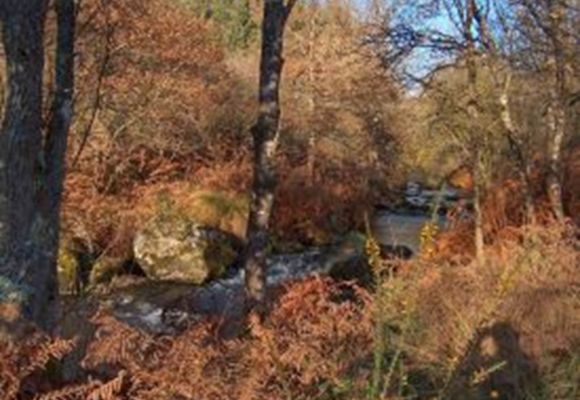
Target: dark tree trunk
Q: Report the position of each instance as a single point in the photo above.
(61, 114)
(265, 134)
(21, 153)
(31, 166)
(21, 140)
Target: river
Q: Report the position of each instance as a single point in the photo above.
(153, 306)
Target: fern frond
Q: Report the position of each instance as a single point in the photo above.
(109, 390)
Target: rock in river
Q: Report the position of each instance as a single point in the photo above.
(172, 247)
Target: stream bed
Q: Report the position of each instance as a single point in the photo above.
(161, 307)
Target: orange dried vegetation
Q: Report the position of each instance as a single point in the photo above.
(318, 333)
(311, 341)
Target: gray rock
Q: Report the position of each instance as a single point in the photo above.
(174, 248)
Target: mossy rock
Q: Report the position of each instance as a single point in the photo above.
(105, 268)
(225, 211)
(68, 268)
(74, 265)
(172, 247)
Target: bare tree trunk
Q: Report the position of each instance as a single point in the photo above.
(514, 139)
(557, 109)
(312, 139)
(265, 134)
(556, 127)
(513, 133)
(31, 173)
(477, 209)
(49, 198)
(473, 112)
(61, 113)
(23, 261)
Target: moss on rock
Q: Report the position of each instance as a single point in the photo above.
(172, 247)
(225, 211)
(68, 267)
(105, 268)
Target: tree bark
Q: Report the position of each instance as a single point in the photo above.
(313, 136)
(557, 109)
(477, 210)
(61, 112)
(473, 112)
(514, 138)
(265, 134)
(21, 154)
(513, 133)
(32, 166)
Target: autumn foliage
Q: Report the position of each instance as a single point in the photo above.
(165, 100)
(448, 328)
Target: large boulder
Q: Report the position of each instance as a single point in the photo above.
(346, 261)
(172, 247)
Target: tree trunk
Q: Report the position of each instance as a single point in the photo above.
(61, 113)
(23, 261)
(557, 109)
(473, 112)
(556, 128)
(265, 134)
(313, 137)
(50, 197)
(513, 133)
(32, 167)
(523, 165)
(477, 210)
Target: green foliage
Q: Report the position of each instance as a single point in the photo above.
(234, 17)
(440, 134)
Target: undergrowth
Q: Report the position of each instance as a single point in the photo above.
(426, 330)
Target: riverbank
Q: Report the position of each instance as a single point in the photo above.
(507, 330)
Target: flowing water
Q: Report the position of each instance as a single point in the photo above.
(155, 307)
(401, 230)
(158, 307)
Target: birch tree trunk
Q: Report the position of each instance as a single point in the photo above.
(557, 110)
(265, 134)
(514, 135)
(514, 138)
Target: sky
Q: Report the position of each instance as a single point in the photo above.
(421, 62)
